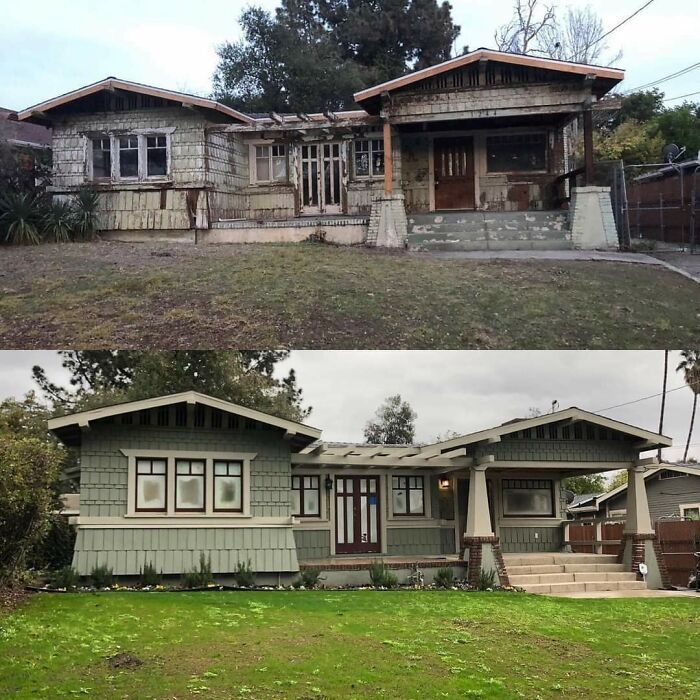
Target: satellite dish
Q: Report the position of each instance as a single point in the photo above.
(670, 153)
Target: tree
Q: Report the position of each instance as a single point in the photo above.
(313, 55)
(620, 479)
(681, 125)
(585, 483)
(101, 378)
(631, 141)
(528, 23)
(393, 423)
(29, 469)
(690, 366)
(640, 106)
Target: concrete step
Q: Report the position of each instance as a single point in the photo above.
(536, 569)
(557, 558)
(592, 568)
(585, 586)
(525, 580)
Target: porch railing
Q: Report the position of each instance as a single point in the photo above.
(594, 535)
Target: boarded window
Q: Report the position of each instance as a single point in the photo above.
(101, 158)
(528, 498)
(151, 482)
(189, 485)
(128, 156)
(407, 495)
(228, 486)
(516, 153)
(306, 496)
(271, 163)
(369, 157)
(157, 155)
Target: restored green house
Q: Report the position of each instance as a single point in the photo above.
(166, 479)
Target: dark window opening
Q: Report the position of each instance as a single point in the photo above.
(163, 416)
(101, 158)
(128, 156)
(156, 155)
(516, 153)
(199, 413)
(181, 415)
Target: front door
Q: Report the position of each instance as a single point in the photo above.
(321, 178)
(454, 173)
(357, 514)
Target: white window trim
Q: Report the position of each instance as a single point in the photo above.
(683, 506)
(377, 136)
(252, 161)
(171, 456)
(427, 499)
(141, 135)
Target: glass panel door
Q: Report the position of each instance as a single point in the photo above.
(321, 178)
(357, 514)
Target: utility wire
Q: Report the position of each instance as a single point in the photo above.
(680, 97)
(617, 26)
(671, 76)
(644, 398)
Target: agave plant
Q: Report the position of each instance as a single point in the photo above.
(59, 221)
(20, 215)
(86, 205)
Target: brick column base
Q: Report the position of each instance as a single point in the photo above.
(638, 544)
(475, 547)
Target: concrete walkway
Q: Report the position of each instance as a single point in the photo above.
(631, 594)
(682, 264)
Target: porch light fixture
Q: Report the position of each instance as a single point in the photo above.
(444, 483)
(328, 483)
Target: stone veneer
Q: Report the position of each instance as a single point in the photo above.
(592, 220)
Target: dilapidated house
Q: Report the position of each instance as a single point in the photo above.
(471, 153)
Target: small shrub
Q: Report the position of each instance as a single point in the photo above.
(381, 577)
(444, 577)
(199, 577)
(20, 218)
(58, 222)
(87, 203)
(102, 576)
(55, 549)
(148, 576)
(244, 575)
(67, 578)
(487, 579)
(309, 577)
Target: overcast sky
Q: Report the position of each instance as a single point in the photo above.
(455, 390)
(48, 48)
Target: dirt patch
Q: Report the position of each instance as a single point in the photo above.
(12, 597)
(124, 660)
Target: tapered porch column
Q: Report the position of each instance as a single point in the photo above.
(478, 515)
(638, 517)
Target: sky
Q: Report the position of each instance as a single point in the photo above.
(48, 48)
(462, 391)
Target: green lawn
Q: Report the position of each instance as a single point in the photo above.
(314, 296)
(318, 644)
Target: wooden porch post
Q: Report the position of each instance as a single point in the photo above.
(388, 161)
(478, 516)
(588, 145)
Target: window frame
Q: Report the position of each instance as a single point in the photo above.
(137, 474)
(302, 489)
(253, 160)
(682, 507)
(408, 488)
(240, 476)
(370, 139)
(531, 171)
(91, 157)
(203, 477)
(505, 487)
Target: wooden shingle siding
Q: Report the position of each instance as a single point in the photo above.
(312, 544)
(544, 450)
(174, 550)
(420, 540)
(522, 539)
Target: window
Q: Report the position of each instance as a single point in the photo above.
(516, 153)
(271, 163)
(306, 500)
(189, 485)
(407, 495)
(156, 155)
(528, 498)
(228, 486)
(369, 157)
(128, 156)
(690, 511)
(101, 158)
(151, 481)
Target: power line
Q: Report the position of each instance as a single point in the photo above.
(644, 398)
(671, 76)
(617, 26)
(680, 97)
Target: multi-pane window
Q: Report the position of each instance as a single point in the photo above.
(271, 163)
(369, 157)
(408, 495)
(189, 485)
(156, 155)
(151, 485)
(306, 498)
(691, 511)
(516, 153)
(101, 158)
(528, 497)
(128, 156)
(228, 486)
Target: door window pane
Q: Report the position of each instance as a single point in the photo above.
(101, 158)
(156, 155)
(128, 156)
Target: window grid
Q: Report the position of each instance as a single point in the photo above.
(156, 470)
(410, 485)
(226, 471)
(195, 470)
(271, 163)
(300, 486)
(369, 157)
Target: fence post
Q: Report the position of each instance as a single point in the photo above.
(598, 536)
(566, 533)
(661, 216)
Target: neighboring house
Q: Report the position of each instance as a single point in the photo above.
(582, 504)
(484, 133)
(29, 144)
(673, 491)
(165, 480)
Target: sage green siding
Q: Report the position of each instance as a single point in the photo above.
(420, 540)
(522, 539)
(174, 550)
(313, 544)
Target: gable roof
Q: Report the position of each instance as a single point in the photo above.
(650, 439)
(613, 74)
(692, 469)
(23, 133)
(67, 428)
(112, 83)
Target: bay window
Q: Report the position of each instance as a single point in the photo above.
(528, 498)
(408, 495)
(151, 485)
(306, 496)
(228, 486)
(189, 485)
